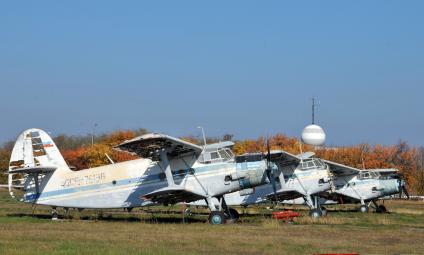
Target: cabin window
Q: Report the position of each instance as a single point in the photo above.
(365, 175)
(319, 163)
(214, 155)
(230, 153)
(224, 154)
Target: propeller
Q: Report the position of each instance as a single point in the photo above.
(270, 170)
(402, 186)
(405, 190)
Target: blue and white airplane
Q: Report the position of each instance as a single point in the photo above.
(169, 171)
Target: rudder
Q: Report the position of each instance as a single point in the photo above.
(33, 148)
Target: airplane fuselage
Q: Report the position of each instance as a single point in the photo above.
(366, 189)
(122, 185)
(303, 182)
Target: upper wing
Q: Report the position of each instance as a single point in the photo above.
(385, 171)
(284, 158)
(341, 170)
(147, 145)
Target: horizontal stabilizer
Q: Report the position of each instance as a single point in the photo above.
(33, 170)
(173, 195)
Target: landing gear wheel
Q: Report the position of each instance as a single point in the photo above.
(188, 212)
(363, 209)
(381, 209)
(216, 218)
(234, 215)
(315, 213)
(323, 211)
(54, 214)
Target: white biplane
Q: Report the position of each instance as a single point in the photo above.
(353, 185)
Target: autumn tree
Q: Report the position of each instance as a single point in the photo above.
(419, 159)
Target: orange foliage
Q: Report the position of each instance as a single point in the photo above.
(93, 156)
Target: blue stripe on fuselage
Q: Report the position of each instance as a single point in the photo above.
(142, 180)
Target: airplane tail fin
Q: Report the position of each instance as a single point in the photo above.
(34, 159)
(35, 148)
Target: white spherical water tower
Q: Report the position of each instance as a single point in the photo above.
(313, 134)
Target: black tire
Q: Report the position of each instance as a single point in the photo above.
(188, 212)
(234, 215)
(315, 213)
(216, 218)
(363, 209)
(381, 209)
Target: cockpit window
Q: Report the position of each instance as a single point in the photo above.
(312, 163)
(230, 153)
(214, 156)
(319, 163)
(224, 154)
(365, 175)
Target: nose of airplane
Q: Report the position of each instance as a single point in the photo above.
(251, 174)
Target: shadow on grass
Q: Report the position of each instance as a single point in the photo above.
(110, 218)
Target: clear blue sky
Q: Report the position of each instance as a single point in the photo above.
(243, 67)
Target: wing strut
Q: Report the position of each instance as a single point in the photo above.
(165, 164)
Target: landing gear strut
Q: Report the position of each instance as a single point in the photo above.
(323, 211)
(222, 213)
(316, 209)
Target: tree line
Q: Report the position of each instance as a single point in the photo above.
(80, 153)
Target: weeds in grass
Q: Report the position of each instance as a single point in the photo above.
(271, 223)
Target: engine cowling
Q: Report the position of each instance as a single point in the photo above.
(250, 174)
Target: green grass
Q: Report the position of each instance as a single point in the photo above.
(138, 232)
